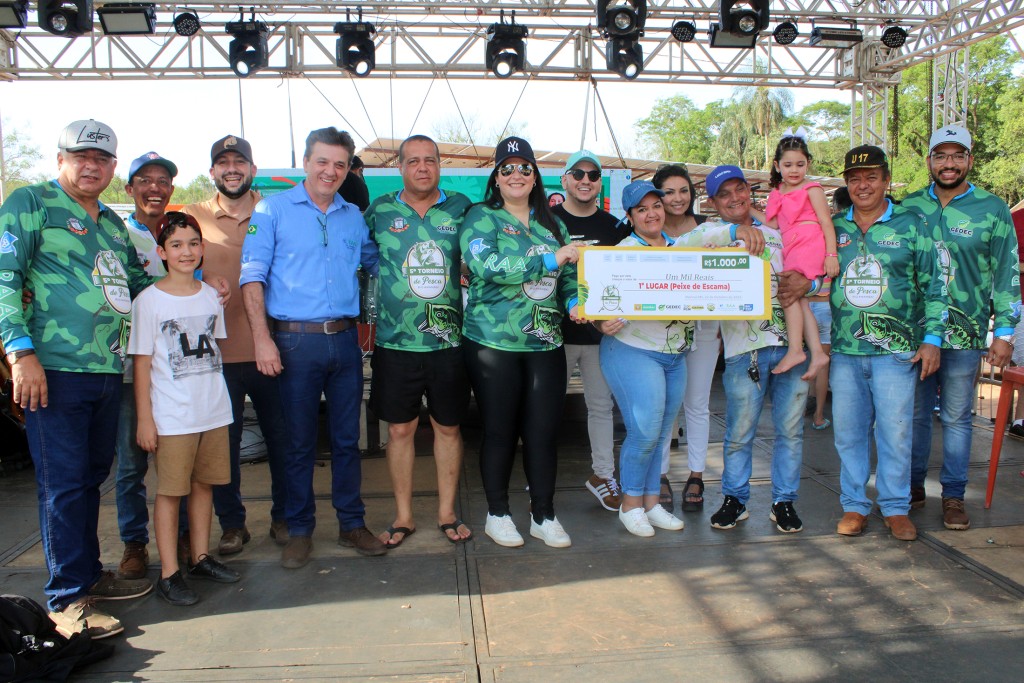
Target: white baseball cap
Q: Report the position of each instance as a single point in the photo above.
(954, 134)
(91, 134)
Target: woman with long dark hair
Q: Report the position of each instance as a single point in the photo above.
(680, 218)
(522, 281)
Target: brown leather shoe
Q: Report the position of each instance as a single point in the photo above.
(852, 524)
(134, 561)
(954, 515)
(279, 532)
(901, 527)
(363, 541)
(917, 497)
(296, 552)
(232, 540)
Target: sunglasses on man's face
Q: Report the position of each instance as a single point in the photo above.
(525, 170)
(578, 174)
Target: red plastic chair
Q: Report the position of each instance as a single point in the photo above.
(1013, 378)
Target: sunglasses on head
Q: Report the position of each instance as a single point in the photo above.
(525, 170)
(578, 173)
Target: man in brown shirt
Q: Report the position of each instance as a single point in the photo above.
(224, 220)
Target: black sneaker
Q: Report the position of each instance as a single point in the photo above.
(174, 590)
(732, 511)
(1017, 430)
(785, 517)
(210, 569)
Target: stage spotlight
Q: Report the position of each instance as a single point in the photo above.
(127, 18)
(186, 24)
(839, 38)
(248, 52)
(622, 17)
(66, 17)
(785, 33)
(743, 17)
(684, 31)
(506, 47)
(355, 51)
(14, 14)
(625, 57)
(894, 36)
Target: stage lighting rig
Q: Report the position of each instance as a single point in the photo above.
(355, 51)
(248, 52)
(66, 17)
(506, 47)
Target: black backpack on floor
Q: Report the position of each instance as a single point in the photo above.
(31, 649)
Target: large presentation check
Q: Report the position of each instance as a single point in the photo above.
(667, 283)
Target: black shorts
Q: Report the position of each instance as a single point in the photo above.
(401, 378)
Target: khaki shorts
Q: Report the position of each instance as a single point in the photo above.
(184, 458)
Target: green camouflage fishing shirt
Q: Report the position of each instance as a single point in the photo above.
(887, 277)
(977, 254)
(83, 274)
(419, 305)
(515, 303)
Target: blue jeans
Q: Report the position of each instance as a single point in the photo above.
(874, 392)
(72, 443)
(956, 376)
(315, 365)
(649, 388)
(132, 465)
(265, 392)
(744, 401)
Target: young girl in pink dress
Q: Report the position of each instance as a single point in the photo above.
(797, 207)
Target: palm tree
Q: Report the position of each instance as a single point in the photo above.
(763, 109)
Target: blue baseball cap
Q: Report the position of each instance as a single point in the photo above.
(151, 158)
(637, 190)
(719, 175)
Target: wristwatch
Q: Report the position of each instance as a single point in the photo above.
(13, 356)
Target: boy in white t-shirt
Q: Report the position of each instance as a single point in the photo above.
(183, 404)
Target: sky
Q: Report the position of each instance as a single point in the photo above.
(181, 119)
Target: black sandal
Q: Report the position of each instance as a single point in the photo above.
(665, 499)
(697, 504)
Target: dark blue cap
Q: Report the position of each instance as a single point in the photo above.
(513, 147)
(718, 176)
(151, 158)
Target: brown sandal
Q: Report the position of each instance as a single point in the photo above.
(693, 502)
(665, 499)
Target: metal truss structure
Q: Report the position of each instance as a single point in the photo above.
(445, 40)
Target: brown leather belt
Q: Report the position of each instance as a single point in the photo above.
(328, 327)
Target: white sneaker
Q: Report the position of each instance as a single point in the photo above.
(551, 532)
(636, 522)
(502, 531)
(663, 519)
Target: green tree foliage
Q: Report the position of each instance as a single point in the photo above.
(18, 160)
(198, 190)
(1004, 172)
(762, 111)
(829, 125)
(677, 130)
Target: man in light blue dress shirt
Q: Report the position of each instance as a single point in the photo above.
(301, 293)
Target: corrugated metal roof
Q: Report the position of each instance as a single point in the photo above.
(383, 153)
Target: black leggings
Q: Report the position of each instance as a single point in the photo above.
(520, 395)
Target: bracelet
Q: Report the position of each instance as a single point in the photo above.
(832, 255)
(815, 287)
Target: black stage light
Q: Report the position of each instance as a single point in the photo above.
(355, 51)
(840, 38)
(625, 57)
(894, 36)
(506, 47)
(684, 31)
(66, 17)
(785, 33)
(621, 17)
(14, 14)
(127, 18)
(743, 17)
(186, 24)
(248, 52)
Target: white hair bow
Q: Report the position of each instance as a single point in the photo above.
(801, 133)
